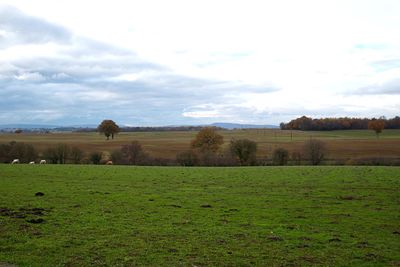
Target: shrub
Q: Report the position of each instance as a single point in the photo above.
(280, 156)
(95, 157)
(187, 158)
(76, 155)
(245, 150)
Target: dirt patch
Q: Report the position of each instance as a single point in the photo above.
(23, 213)
(274, 238)
(175, 206)
(348, 198)
(35, 221)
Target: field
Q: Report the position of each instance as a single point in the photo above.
(341, 144)
(159, 216)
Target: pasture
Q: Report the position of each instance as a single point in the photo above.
(159, 216)
(340, 144)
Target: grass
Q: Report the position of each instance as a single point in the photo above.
(155, 216)
(341, 144)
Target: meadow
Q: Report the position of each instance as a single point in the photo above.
(173, 216)
(341, 145)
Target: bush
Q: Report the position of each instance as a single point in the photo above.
(13, 150)
(245, 150)
(95, 157)
(76, 155)
(280, 156)
(187, 158)
(296, 158)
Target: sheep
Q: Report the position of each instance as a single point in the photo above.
(32, 162)
(43, 161)
(15, 161)
(109, 162)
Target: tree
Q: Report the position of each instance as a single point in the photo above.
(377, 126)
(314, 150)
(280, 156)
(245, 150)
(76, 154)
(207, 139)
(132, 153)
(108, 128)
(62, 152)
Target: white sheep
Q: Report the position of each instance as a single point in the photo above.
(15, 161)
(43, 161)
(32, 162)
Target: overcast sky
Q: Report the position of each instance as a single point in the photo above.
(192, 62)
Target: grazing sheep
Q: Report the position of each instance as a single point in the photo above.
(32, 162)
(109, 162)
(42, 161)
(15, 161)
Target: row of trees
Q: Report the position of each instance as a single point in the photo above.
(326, 124)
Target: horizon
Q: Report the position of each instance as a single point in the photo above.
(189, 63)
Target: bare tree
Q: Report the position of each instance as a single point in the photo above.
(314, 150)
(133, 153)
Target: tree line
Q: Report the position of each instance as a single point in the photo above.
(327, 124)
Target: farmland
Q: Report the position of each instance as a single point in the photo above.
(169, 216)
(341, 144)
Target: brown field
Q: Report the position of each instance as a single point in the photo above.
(340, 144)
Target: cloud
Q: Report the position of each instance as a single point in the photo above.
(19, 28)
(391, 87)
(48, 74)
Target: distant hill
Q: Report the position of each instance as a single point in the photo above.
(28, 126)
(92, 127)
(230, 126)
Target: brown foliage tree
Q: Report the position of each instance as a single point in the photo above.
(377, 126)
(108, 128)
(207, 139)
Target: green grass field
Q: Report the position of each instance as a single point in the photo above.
(340, 144)
(155, 216)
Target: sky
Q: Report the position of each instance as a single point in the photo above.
(180, 62)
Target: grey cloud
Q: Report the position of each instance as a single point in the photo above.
(391, 87)
(387, 64)
(82, 84)
(20, 28)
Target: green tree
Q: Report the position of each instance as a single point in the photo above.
(245, 150)
(207, 139)
(108, 128)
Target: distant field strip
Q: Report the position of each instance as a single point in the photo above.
(341, 144)
(158, 216)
